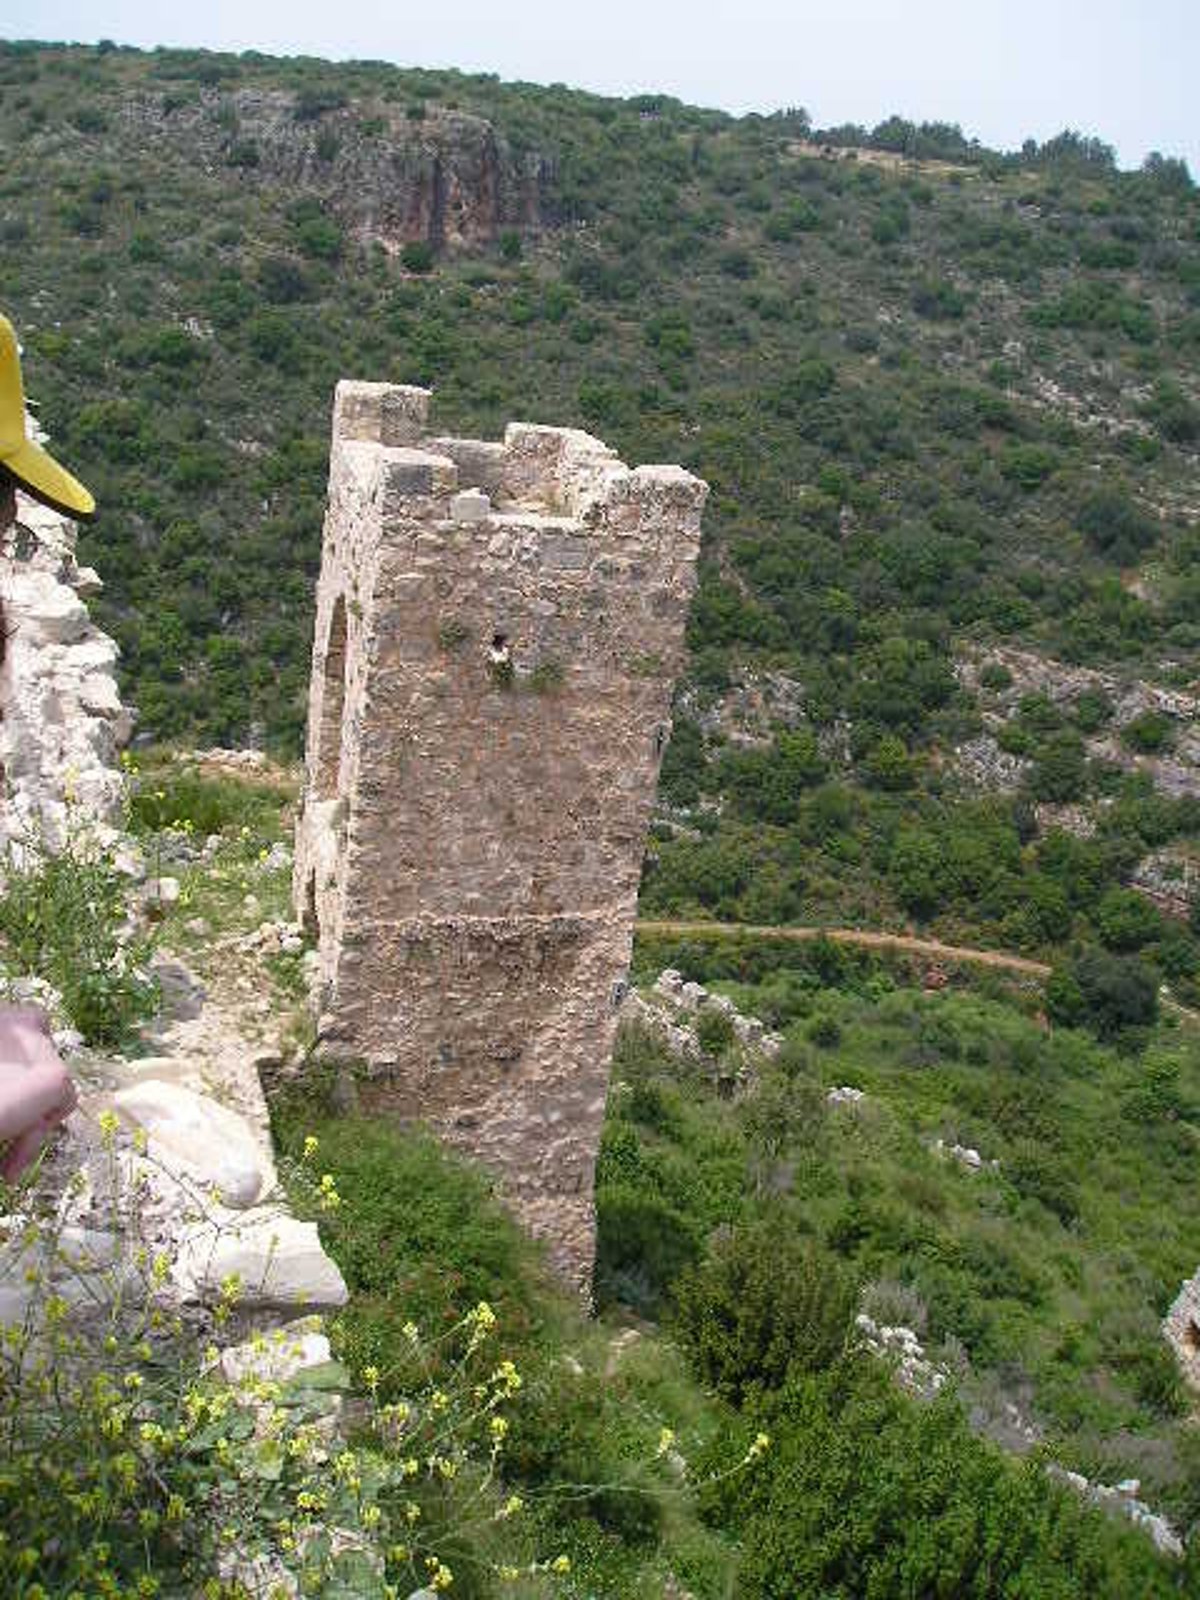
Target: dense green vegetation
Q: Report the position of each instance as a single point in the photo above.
(943, 407)
(1038, 1281)
(860, 1490)
(938, 405)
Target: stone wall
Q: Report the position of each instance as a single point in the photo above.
(61, 719)
(499, 627)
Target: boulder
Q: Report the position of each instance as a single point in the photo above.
(278, 1261)
(208, 1141)
(277, 1356)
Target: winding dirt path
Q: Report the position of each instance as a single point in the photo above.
(908, 943)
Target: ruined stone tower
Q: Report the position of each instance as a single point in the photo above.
(499, 628)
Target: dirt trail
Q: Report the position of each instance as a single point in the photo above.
(933, 948)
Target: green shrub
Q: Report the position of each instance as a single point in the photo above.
(1127, 920)
(864, 1491)
(714, 1031)
(1116, 527)
(62, 918)
(1107, 993)
(1149, 733)
(642, 1245)
(1029, 465)
(1173, 413)
(283, 281)
(825, 1032)
(995, 676)
(1060, 771)
(938, 300)
(567, 1430)
(417, 256)
(1092, 709)
(655, 1106)
(761, 1307)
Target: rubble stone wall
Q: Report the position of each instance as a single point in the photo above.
(483, 752)
(61, 719)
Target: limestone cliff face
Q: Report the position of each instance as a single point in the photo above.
(450, 178)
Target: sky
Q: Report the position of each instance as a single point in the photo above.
(1003, 69)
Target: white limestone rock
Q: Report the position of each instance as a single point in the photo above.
(156, 894)
(63, 720)
(98, 695)
(277, 1356)
(845, 1096)
(1181, 1329)
(209, 1142)
(277, 858)
(53, 614)
(278, 1261)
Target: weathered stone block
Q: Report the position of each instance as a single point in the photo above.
(471, 505)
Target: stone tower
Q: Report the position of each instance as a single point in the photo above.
(499, 628)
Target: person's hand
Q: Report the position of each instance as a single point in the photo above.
(36, 1092)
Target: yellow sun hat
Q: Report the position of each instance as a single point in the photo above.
(33, 468)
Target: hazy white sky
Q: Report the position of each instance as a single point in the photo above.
(1004, 69)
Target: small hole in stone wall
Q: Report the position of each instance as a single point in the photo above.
(1191, 1337)
(500, 663)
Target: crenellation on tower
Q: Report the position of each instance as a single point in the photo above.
(499, 629)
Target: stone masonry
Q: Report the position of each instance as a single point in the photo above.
(499, 628)
(62, 723)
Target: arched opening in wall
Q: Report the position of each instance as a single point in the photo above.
(333, 707)
(311, 921)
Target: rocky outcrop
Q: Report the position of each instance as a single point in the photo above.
(1181, 1329)
(674, 1012)
(902, 1349)
(446, 177)
(751, 711)
(1171, 878)
(61, 719)
(1175, 772)
(1122, 1498)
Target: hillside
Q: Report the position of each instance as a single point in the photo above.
(948, 407)
(908, 1200)
(815, 1306)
